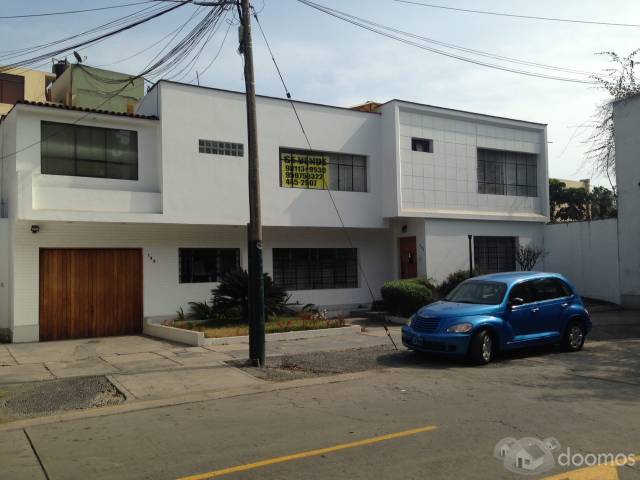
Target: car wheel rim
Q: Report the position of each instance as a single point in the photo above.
(575, 337)
(486, 349)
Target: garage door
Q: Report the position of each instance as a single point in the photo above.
(90, 293)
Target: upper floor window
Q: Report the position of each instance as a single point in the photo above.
(501, 172)
(11, 88)
(82, 151)
(323, 170)
(422, 145)
(315, 268)
(204, 265)
(221, 148)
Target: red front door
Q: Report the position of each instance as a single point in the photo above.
(408, 258)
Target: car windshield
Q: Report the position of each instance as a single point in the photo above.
(477, 291)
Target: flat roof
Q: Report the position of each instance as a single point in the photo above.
(262, 96)
(463, 111)
(444, 109)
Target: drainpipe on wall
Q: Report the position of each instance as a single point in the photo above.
(470, 237)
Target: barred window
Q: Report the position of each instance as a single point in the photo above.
(322, 170)
(202, 265)
(501, 172)
(221, 148)
(494, 254)
(315, 268)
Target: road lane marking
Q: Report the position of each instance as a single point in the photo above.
(605, 471)
(309, 453)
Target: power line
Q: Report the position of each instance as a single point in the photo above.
(215, 56)
(365, 24)
(528, 17)
(333, 202)
(17, 53)
(184, 45)
(94, 40)
(465, 49)
(171, 34)
(70, 12)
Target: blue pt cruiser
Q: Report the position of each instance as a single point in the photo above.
(498, 312)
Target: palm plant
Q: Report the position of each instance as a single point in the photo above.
(233, 294)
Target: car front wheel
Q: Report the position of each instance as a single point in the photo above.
(574, 336)
(481, 348)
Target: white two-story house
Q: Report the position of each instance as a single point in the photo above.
(111, 218)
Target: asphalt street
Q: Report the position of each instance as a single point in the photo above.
(364, 427)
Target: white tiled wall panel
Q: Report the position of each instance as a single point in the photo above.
(447, 178)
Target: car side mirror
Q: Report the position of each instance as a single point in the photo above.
(514, 302)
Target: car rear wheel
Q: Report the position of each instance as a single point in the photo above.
(481, 349)
(574, 336)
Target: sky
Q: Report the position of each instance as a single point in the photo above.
(326, 60)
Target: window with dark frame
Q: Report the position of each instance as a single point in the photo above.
(422, 145)
(494, 254)
(81, 151)
(550, 288)
(207, 265)
(315, 268)
(11, 88)
(215, 147)
(339, 171)
(502, 172)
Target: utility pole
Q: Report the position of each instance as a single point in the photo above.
(254, 229)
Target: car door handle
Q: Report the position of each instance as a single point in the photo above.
(535, 310)
(564, 305)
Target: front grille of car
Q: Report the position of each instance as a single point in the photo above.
(425, 324)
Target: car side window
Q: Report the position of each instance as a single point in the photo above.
(524, 291)
(550, 288)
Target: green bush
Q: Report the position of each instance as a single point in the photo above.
(405, 297)
(425, 281)
(200, 311)
(452, 281)
(232, 295)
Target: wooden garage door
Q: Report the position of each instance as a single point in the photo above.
(90, 293)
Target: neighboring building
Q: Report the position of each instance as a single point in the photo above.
(147, 211)
(82, 86)
(626, 114)
(584, 183)
(18, 84)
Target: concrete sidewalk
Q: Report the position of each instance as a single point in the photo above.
(148, 368)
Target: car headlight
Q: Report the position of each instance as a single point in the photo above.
(410, 321)
(460, 328)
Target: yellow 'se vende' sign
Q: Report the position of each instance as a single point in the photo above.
(304, 170)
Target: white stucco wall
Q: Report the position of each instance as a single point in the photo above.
(60, 197)
(445, 183)
(195, 182)
(627, 138)
(587, 254)
(163, 294)
(447, 244)
(5, 283)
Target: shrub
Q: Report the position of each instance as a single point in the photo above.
(200, 311)
(233, 294)
(426, 281)
(452, 281)
(405, 297)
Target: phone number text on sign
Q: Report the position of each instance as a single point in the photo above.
(304, 171)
